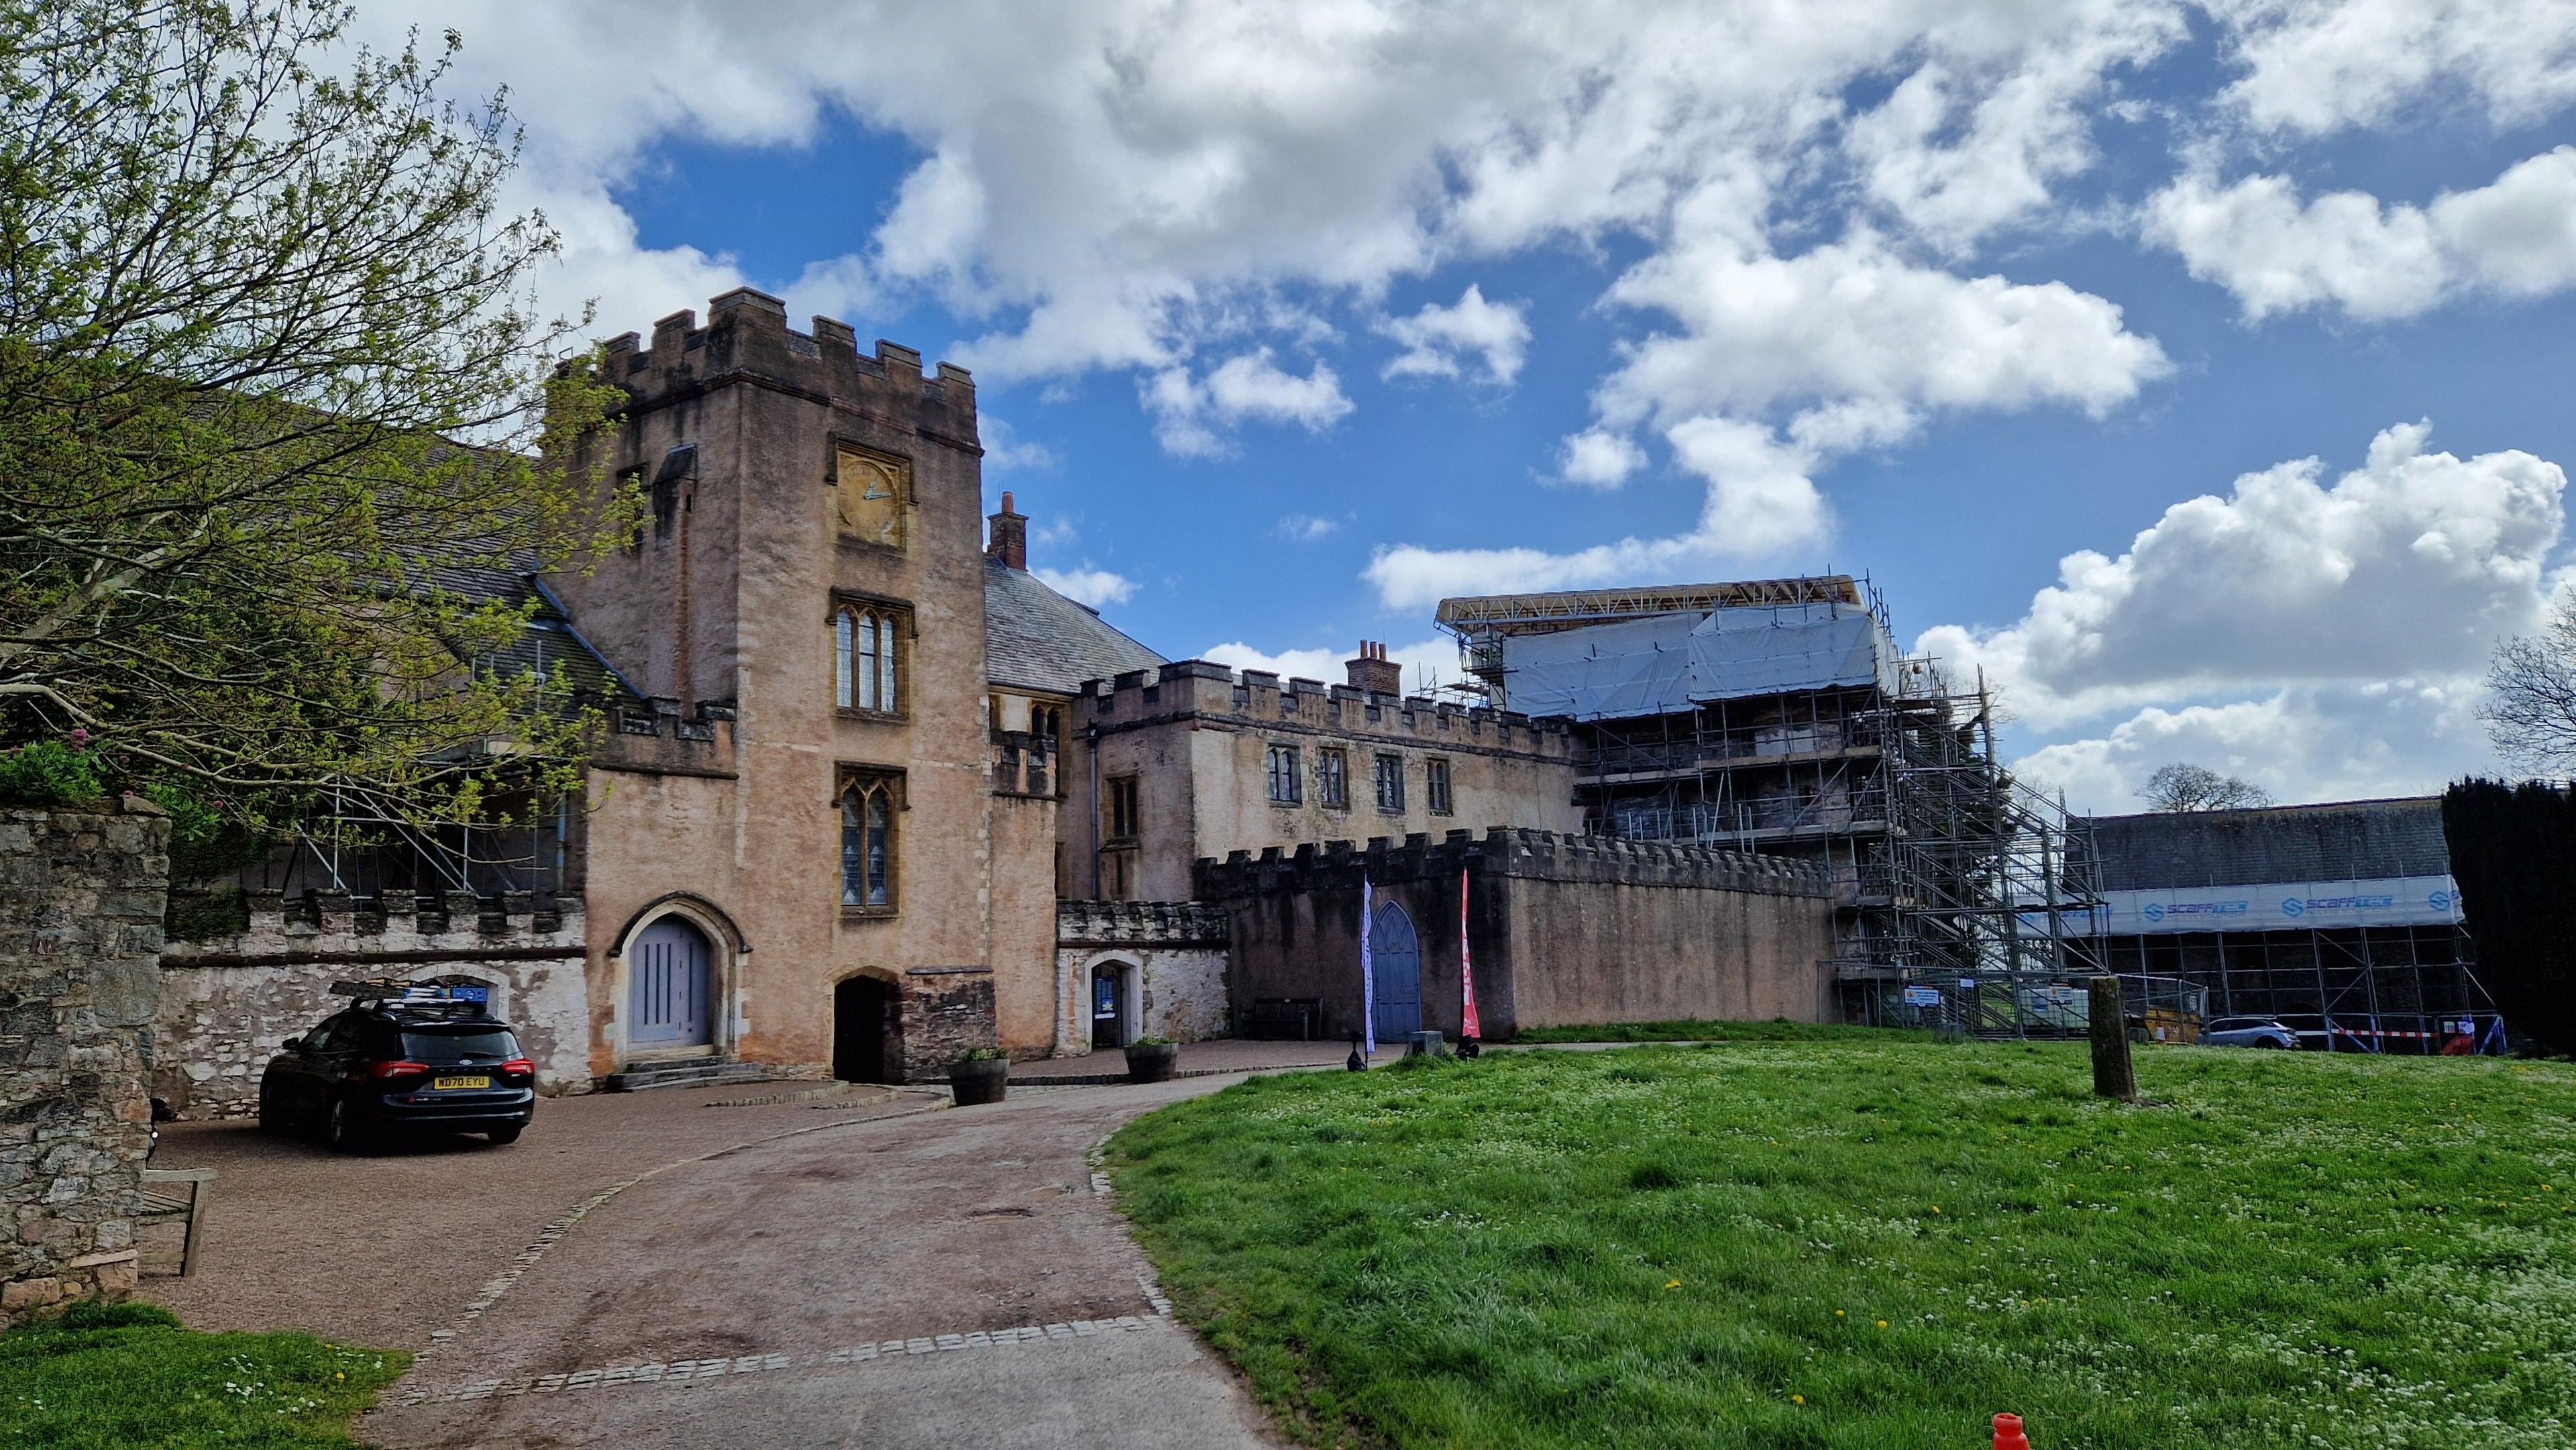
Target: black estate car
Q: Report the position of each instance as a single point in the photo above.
(395, 1065)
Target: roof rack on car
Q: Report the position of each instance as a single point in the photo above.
(448, 996)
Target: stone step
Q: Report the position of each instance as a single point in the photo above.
(694, 1072)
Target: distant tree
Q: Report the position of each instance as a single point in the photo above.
(270, 385)
(2530, 707)
(2181, 787)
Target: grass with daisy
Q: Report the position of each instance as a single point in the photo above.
(1866, 1243)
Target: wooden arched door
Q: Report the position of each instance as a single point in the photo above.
(1395, 956)
(667, 972)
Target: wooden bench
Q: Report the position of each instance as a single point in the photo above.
(1277, 1019)
(174, 1206)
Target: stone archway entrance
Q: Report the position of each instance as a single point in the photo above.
(667, 979)
(1395, 958)
(863, 1018)
(1110, 989)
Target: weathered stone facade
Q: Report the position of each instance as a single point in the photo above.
(1196, 740)
(1169, 962)
(227, 1004)
(793, 481)
(82, 892)
(1565, 930)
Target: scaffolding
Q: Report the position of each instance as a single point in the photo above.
(2401, 989)
(1943, 865)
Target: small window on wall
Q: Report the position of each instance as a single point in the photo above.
(1286, 787)
(1435, 786)
(871, 804)
(867, 657)
(1118, 810)
(1333, 779)
(1390, 784)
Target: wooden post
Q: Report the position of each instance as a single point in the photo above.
(2113, 1077)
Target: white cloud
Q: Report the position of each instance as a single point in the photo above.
(2317, 66)
(1427, 664)
(2410, 566)
(1848, 345)
(1005, 450)
(1964, 146)
(1128, 183)
(1307, 528)
(1248, 385)
(2515, 237)
(1096, 587)
(1156, 186)
(1436, 337)
(2321, 638)
(2312, 743)
(1598, 458)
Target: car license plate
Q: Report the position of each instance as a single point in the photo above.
(461, 1082)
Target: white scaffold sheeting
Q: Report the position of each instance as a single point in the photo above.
(1669, 662)
(2283, 906)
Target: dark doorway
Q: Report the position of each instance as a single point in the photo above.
(1109, 1005)
(862, 1020)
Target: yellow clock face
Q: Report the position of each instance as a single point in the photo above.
(873, 489)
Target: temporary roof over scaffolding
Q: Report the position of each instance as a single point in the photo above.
(1492, 615)
(1670, 662)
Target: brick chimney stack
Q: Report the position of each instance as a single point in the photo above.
(1374, 672)
(1009, 538)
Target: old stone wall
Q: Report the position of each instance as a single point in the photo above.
(82, 894)
(228, 1003)
(1564, 930)
(941, 1014)
(1172, 955)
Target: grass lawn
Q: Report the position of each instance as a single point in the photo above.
(127, 1375)
(1871, 1243)
(1782, 1031)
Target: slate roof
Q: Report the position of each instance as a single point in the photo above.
(549, 644)
(1037, 639)
(2338, 841)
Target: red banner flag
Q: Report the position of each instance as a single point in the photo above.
(1466, 969)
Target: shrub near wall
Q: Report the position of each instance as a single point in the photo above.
(82, 890)
(2513, 851)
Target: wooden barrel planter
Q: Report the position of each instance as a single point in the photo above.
(980, 1080)
(1151, 1061)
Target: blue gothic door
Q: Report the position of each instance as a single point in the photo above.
(1396, 958)
(666, 997)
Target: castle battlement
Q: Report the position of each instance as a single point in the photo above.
(658, 737)
(426, 926)
(1205, 689)
(747, 338)
(1503, 851)
(1138, 923)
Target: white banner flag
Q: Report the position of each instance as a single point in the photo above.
(1368, 973)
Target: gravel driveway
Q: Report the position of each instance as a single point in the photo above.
(869, 1269)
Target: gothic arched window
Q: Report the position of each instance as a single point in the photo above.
(867, 650)
(868, 812)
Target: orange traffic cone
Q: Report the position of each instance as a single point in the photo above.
(2008, 1435)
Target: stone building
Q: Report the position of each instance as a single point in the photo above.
(820, 831)
(1192, 760)
(870, 794)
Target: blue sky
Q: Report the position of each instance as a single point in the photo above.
(1950, 294)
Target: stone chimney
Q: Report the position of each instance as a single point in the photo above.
(1374, 672)
(1008, 540)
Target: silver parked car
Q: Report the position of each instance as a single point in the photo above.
(2247, 1032)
